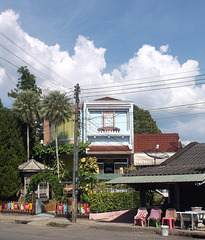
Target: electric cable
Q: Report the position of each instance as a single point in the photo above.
(37, 60)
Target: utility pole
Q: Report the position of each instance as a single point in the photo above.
(75, 156)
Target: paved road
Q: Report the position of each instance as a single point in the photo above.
(10, 231)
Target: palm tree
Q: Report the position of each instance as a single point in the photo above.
(26, 107)
(56, 108)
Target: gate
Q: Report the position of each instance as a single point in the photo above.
(38, 206)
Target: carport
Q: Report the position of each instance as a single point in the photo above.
(183, 175)
(173, 183)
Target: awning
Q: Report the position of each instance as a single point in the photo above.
(158, 179)
(108, 150)
(107, 176)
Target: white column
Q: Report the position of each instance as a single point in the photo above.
(38, 190)
(25, 180)
(47, 192)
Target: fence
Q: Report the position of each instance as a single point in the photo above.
(49, 207)
(83, 209)
(15, 207)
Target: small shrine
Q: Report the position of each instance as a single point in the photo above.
(27, 170)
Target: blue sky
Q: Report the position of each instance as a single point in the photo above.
(121, 27)
(109, 42)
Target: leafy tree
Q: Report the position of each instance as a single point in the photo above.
(27, 81)
(63, 173)
(45, 152)
(1, 104)
(46, 177)
(143, 121)
(26, 106)
(12, 154)
(87, 169)
(56, 108)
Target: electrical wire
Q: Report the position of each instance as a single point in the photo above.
(46, 77)
(144, 78)
(51, 81)
(152, 87)
(134, 84)
(176, 106)
(37, 60)
(7, 74)
(134, 91)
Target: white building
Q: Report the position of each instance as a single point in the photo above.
(108, 124)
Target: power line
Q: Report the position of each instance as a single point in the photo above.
(9, 62)
(156, 85)
(182, 115)
(144, 78)
(37, 60)
(7, 74)
(176, 106)
(51, 82)
(150, 82)
(145, 90)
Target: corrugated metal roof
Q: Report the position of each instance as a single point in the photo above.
(108, 176)
(158, 179)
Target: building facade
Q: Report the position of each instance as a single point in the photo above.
(153, 149)
(108, 124)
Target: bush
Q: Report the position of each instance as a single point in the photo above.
(46, 177)
(110, 201)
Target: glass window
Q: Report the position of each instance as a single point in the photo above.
(108, 119)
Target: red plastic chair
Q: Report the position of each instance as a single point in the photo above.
(141, 217)
(170, 217)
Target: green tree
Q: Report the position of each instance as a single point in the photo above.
(56, 108)
(1, 104)
(46, 152)
(26, 81)
(46, 177)
(12, 154)
(143, 121)
(87, 169)
(26, 107)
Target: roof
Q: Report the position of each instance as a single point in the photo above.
(186, 165)
(109, 150)
(168, 142)
(31, 166)
(107, 99)
(189, 160)
(158, 179)
(107, 176)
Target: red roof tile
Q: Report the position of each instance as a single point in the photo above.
(107, 99)
(189, 160)
(109, 148)
(114, 150)
(167, 142)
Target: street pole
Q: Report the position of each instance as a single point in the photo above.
(75, 156)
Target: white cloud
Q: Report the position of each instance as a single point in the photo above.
(164, 48)
(88, 66)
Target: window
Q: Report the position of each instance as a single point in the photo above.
(112, 165)
(108, 119)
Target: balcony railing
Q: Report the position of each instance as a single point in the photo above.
(113, 130)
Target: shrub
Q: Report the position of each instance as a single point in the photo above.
(109, 201)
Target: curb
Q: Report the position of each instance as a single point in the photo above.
(51, 221)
